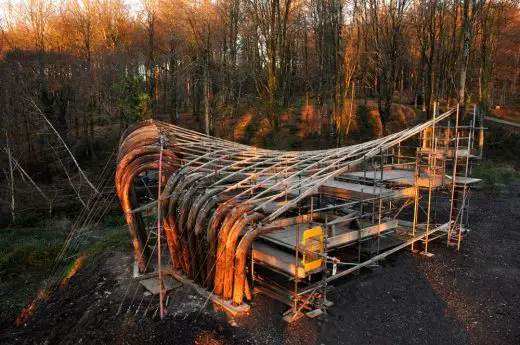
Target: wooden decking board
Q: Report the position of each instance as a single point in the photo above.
(354, 235)
(344, 235)
(287, 236)
(464, 180)
(353, 191)
(405, 177)
(277, 258)
(349, 190)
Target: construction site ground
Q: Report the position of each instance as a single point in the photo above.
(466, 297)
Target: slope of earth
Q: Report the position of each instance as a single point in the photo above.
(506, 114)
(466, 297)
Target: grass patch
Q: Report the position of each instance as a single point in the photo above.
(26, 249)
(28, 255)
(116, 237)
(502, 146)
(31, 248)
(495, 174)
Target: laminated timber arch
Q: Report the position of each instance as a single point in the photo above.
(219, 197)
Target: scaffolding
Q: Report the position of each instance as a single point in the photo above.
(239, 220)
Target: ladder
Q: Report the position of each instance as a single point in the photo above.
(460, 190)
(430, 162)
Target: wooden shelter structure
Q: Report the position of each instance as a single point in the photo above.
(240, 220)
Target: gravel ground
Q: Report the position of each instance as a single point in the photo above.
(466, 297)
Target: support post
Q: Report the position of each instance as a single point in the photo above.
(159, 183)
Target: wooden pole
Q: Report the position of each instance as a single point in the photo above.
(161, 286)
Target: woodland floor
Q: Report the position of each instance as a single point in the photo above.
(466, 297)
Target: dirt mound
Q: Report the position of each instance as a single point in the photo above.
(103, 305)
(366, 123)
(401, 117)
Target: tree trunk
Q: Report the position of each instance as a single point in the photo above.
(206, 96)
(466, 32)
